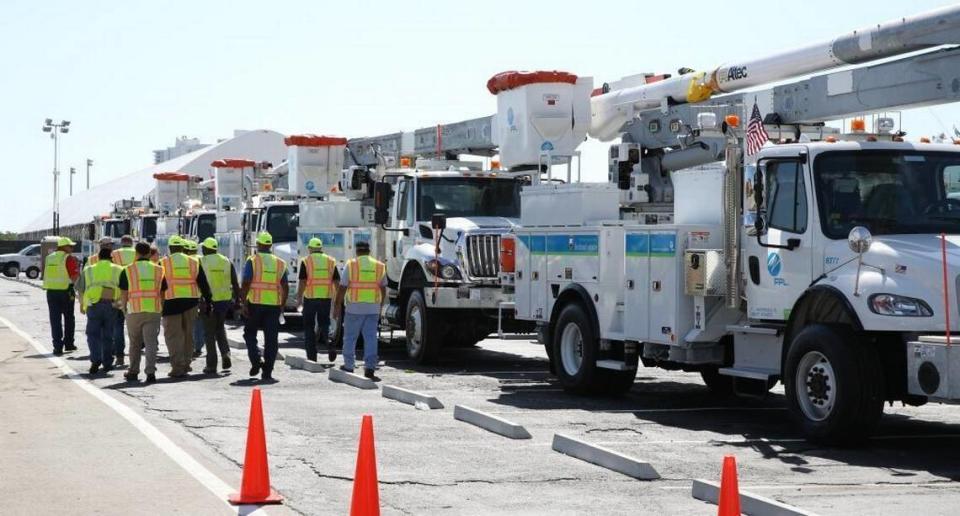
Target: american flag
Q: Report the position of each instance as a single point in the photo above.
(756, 134)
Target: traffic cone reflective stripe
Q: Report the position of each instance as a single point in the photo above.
(729, 503)
(255, 485)
(366, 491)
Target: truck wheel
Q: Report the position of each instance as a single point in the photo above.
(424, 332)
(834, 385)
(11, 271)
(33, 272)
(575, 351)
(718, 384)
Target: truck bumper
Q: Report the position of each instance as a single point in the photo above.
(466, 298)
(933, 368)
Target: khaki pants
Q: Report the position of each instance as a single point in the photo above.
(143, 329)
(178, 333)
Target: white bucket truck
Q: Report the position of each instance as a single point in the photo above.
(827, 263)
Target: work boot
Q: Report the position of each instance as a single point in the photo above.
(197, 353)
(266, 376)
(226, 362)
(58, 352)
(132, 378)
(312, 358)
(151, 378)
(369, 374)
(69, 347)
(255, 368)
(332, 353)
(107, 367)
(94, 367)
(347, 369)
(209, 370)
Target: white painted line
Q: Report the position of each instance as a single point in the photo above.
(216, 486)
(336, 375)
(750, 503)
(410, 397)
(604, 457)
(490, 422)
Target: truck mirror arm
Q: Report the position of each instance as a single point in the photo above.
(792, 243)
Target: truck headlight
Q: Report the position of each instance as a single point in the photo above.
(443, 268)
(901, 306)
(448, 272)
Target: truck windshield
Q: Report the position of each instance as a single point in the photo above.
(149, 231)
(469, 197)
(206, 226)
(888, 191)
(282, 222)
(116, 228)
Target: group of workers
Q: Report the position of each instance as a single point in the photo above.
(183, 293)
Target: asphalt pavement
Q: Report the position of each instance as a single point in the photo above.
(430, 463)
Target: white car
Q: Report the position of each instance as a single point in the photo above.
(27, 260)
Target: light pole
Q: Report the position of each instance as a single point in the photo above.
(72, 172)
(55, 130)
(89, 164)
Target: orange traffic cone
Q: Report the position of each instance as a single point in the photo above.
(729, 503)
(366, 491)
(255, 485)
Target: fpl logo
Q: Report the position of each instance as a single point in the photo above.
(774, 267)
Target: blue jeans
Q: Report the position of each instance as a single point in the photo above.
(118, 343)
(101, 318)
(316, 315)
(198, 335)
(62, 322)
(353, 326)
(266, 318)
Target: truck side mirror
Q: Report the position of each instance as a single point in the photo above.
(381, 202)
(438, 221)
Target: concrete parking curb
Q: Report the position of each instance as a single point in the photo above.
(749, 503)
(235, 344)
(410, 397)
(604, 457)
(302, 363)
(336, 375)
(490, 422)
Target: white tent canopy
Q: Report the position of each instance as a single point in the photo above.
(258, 145)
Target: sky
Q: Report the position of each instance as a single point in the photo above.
(133, 76)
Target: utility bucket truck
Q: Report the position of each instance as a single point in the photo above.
(827, 262)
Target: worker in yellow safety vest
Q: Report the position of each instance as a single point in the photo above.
(265, 291)
(140, 286)
(104, 243)
(190, 249)
(315, 289)
(60, 271)
(122, 257)
(99, 284)
(363, 285)
(183, 284)
(224, 293)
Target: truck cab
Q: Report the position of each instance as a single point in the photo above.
(442, 245)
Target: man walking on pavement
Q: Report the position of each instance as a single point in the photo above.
(364, 286)
(122, 257)
(190, 249)
(99, 285)
(183, 283)
(140, 286)
(265, 291)
(318, 272)
(224, 292)
(60, 271)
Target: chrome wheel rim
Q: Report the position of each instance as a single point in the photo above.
(571, 349)
(816, 386)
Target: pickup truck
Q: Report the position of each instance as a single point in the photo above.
(27, 260)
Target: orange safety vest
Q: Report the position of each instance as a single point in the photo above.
(181, 276)
(143, 287)
(365, 275)
(124, 256)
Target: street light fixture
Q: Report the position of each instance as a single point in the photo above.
(55, 130)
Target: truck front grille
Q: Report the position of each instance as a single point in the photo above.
(483, 256)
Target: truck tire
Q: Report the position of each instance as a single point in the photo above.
(575, 351)
(33, 272)
(424, 330)
(717, 384)
(11, 270)
(834, 385)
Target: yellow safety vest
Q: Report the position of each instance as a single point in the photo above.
(365, 276)
(55, 275)
(181, 271)
(319, 267)
(216, 268)
(124, 256)
(100, 276)
(144, 279)
(267, 274)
